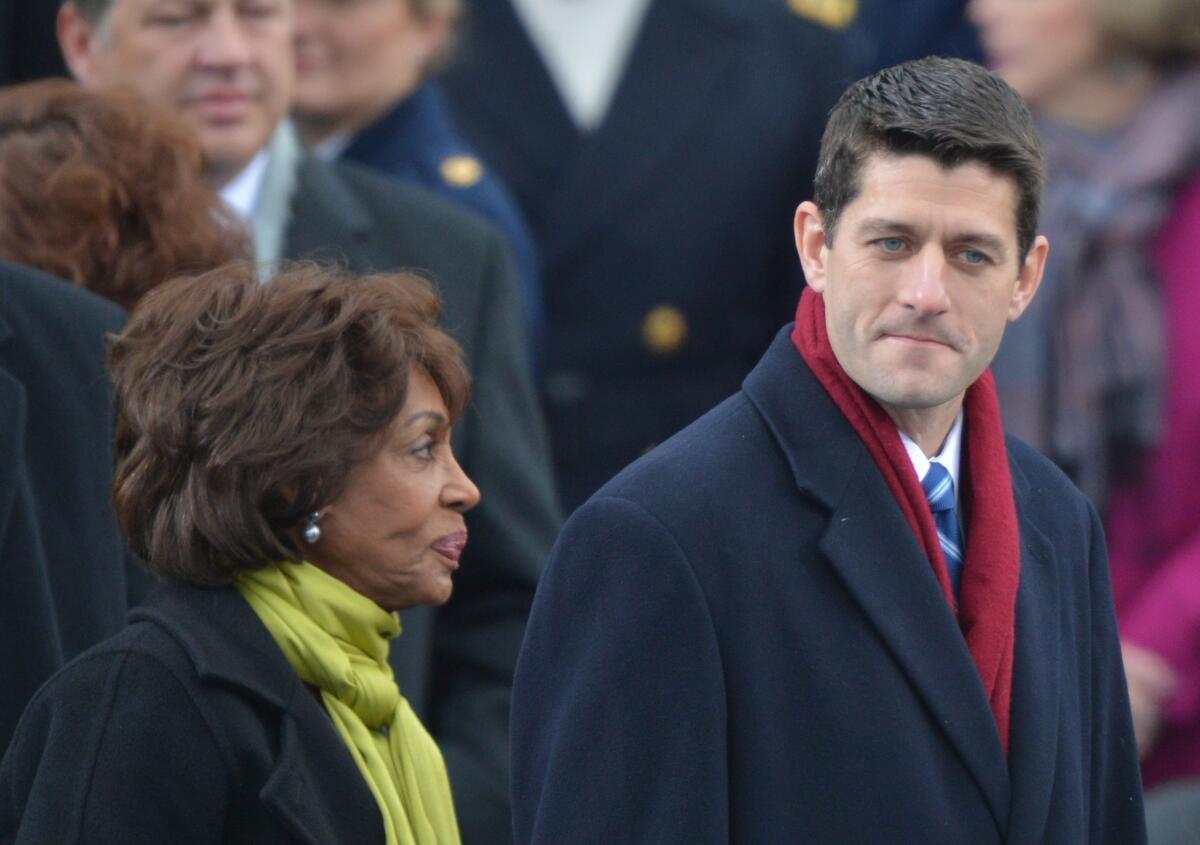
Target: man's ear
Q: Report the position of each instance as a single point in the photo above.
(1030, 277)
(77, 38)
(811, 244)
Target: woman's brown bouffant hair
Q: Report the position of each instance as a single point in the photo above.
(106, 192)
(242, 406)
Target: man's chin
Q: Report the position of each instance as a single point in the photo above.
(227, 150)
(916, 394)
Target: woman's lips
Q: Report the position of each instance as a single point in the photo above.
(451, 546)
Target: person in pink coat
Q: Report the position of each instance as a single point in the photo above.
(1104, 373)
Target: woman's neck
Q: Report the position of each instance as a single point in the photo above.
(1102, 99)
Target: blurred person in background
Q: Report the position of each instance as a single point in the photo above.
(68, 579)
(227, 68)
(1102, 375)
(284, 467)
(886, 32)
(654, 146)
(363, 95)
(105, 191)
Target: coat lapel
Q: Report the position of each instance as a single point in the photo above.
(685, 48)
(1035, 703)
(327, 222)
(316, 812)
(502, 77)
(314, 787)
(871, 547)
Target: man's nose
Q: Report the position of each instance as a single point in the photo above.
(923, 283)
(224, 41)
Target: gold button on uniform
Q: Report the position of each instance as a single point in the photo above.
(462, 171)
(664, 330)
(835, 14)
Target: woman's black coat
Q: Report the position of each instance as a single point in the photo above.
(189, 726)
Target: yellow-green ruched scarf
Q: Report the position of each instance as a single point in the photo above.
(337, 641)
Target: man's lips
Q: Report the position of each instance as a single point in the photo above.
(918, 340)
(222, 105)
(451, 546)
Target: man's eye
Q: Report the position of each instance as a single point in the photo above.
(260, 11)
(974, 256)
(891, 244)
(169, 21)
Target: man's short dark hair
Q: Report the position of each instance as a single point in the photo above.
(949, 110)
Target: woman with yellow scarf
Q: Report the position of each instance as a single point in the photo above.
(284, 466)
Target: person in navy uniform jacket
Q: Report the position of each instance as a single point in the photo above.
(362, 95)
(654, 146)
(843, 607)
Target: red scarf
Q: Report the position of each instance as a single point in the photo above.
(991, 573)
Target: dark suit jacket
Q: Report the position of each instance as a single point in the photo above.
(665, 235)
(740, 640)
(65, 564)
(187, 727)
(455, 664)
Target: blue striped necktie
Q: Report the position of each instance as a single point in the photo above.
(939, 490)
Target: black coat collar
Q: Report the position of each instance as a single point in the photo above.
(327, 220)
(224, 638)
(312, 784)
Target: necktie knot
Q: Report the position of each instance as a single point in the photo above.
(939, 488)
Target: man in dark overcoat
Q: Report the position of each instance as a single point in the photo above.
(842, 607)
(226, 67)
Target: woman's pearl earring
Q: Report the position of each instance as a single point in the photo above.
(312, 531)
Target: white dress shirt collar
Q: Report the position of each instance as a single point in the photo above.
(949, 456)
(241, 194)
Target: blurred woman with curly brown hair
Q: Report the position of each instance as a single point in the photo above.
(104, 191)
(284, 466)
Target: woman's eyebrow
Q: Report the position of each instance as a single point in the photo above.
(421, 415)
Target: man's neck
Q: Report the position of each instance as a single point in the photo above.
(927, 427)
